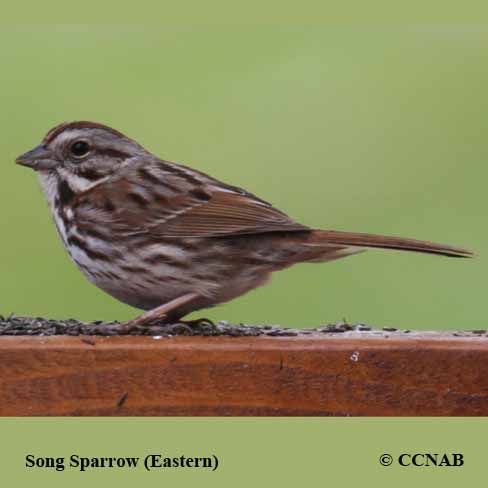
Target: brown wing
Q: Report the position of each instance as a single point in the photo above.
(170, 201)
(226, 214)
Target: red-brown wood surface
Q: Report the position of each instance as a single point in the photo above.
(314, 375)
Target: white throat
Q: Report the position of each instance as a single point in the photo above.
(49, 185)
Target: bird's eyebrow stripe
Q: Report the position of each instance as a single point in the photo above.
(82, 124)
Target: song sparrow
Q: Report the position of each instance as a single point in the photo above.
(166, 238)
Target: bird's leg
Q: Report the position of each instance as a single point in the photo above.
(161, 312)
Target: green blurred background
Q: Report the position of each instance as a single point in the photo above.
(373, 130)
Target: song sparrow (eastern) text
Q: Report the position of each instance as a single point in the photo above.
(170, 239)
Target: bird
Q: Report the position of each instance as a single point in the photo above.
(169, 239)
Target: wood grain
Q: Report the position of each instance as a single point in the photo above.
(314, 375)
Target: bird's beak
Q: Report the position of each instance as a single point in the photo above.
(38, 158)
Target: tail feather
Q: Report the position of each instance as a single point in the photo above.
(358, 240)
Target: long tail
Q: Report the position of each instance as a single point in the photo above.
(358, 240)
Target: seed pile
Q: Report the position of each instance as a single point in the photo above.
(38, 326)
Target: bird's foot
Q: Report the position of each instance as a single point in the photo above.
(197, 322)
(191, 327)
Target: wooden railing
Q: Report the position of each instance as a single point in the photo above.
(334, 371)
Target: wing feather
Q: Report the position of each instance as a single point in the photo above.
(203, 208)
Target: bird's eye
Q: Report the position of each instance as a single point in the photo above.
(80, 149)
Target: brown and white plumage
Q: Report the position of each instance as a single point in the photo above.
(149, 231)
